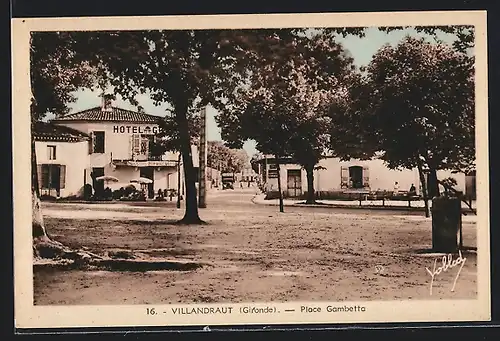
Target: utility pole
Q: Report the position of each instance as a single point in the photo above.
(265, 169)
(179, 181)
(202, 203)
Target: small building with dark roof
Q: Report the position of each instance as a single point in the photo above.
(62, 159)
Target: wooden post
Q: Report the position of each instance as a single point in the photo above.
(265, 170)
(282, 209)
(461, 240)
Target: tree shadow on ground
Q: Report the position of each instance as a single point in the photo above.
(190, 222)
(160, 221)
(313, 203)
(465, 250)
(119, 265)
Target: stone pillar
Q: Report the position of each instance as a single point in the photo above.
(446, 224)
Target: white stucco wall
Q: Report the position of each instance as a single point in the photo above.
(116, 141)
(380, 177)
(120, 144)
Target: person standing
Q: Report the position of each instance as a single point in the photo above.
(413, 190)
(396, 188)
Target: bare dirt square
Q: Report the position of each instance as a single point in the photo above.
(248, 253)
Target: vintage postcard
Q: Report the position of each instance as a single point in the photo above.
(251, 169)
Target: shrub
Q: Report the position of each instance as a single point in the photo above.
(118, 193)
(108, 194)
(272, 195)
(46, 197)
(129, 189)
(87, 191)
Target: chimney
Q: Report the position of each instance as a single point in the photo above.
(106, 102)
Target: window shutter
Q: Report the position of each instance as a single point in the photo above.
(103, 148)
(136, 144)
(91, 143)
(366, 177)
(62, 177)
(131, 152)
(344, 177)
(144, 145)
(39, 175)
(45, 176)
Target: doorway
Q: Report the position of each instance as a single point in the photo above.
(98, 185)
(294, 182)
(148, 172)
(51, 178)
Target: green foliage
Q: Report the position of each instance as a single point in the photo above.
(226, 159)
(284, 104)
(464, 34)
(56, 72)
(421, 105)
(293, 91)
(168, 139)
(352, 134)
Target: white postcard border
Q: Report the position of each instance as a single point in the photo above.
(29, 316)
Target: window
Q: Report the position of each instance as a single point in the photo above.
(98, 141)
(141, 146)
(51, 150)
(52, 176)
(145, 145)
(355, 177)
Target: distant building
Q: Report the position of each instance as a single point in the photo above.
(111, 141)
(334, 175)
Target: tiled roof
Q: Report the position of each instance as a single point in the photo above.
(112, 114)
(50, 132)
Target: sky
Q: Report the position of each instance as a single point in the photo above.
(361, 49)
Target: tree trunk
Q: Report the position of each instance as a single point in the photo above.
(43, 246)
(38, 226)
(424, 188)
(311, 199)
(433, 183)
(191, 215)
(282, 209)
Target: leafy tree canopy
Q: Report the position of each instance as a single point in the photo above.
(421, 105)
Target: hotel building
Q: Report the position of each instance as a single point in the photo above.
(104, 140)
